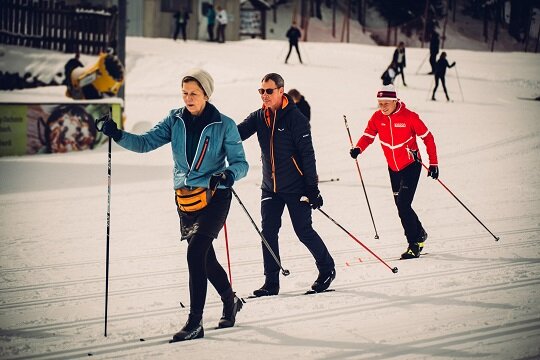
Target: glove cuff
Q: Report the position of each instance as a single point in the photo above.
(117, 135)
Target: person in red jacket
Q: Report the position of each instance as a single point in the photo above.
(398, 128)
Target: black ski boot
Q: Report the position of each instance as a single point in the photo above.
(192, 330)
(413, 251)
(324, 280)
(267, 289)
(231, 305)
(423, 237)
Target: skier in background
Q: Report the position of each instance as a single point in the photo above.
(293, 34)
(399, 59)
(211, 21)
(433, 50)
(222, 20)
(181, 18)
(300, 102)
(440, 73)
(389, 74)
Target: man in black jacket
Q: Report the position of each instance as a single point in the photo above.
(289, 176)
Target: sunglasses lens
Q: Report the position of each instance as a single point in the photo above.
(268, 91)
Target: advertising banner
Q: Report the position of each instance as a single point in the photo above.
(33, 128)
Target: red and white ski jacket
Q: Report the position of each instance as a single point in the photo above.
(397, 133)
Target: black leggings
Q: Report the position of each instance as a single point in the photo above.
(202, 262)
(295, 45)
(443, 82)
(203, 266)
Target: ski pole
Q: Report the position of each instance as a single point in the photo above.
(459, 84)
(227, 249)
(422, 64)
(283, 271)
(99, 126)
(394, 270)
(361, 179)
(462, 204)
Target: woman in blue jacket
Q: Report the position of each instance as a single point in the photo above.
(203, 142)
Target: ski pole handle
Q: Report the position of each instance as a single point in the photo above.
(101, 121)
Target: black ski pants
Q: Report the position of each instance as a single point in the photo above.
(443, 82)
(404, 185)
(295, 45)
(202, 262)
(272, 206)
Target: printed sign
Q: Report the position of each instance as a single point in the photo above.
(52, 128)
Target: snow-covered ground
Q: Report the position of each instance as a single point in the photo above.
(469, 297)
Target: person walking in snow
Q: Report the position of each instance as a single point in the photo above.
(181, 18)
(399, 59)
(211, 21)
(293, 34)
(389, 74)
(398, 128)
(300, 102)
(440, 73)
(208, 158)
(289, 177)
(222, 20)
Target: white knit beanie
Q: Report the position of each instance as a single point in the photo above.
(203, 78)
(387, 92)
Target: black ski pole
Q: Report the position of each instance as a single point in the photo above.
(394, 270)
(99, 126)
(283, 271)
(361, 179)
(462, 204)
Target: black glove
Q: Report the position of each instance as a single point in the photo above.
(355, 152)
(314, 197)
(433, 171)
(110, 129)
(225, 178)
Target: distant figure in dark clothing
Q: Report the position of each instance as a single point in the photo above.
(389, 74)
(433, 50)
(293, 34)
(211, 18)
(399, 60)
(440, 72)
(181, 18)
(300, 102)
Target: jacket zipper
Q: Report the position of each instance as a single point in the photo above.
(392, 138)
(203, 153)
(272, 152)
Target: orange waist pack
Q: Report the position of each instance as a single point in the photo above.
(193, 200)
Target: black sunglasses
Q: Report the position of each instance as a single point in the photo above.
(268, 91)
